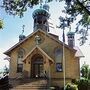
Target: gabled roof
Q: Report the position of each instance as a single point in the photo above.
(39, 49)
(78, 53)
(39, 30)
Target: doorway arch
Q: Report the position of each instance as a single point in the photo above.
(37, 66)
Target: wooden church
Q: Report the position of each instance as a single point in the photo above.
(39, 56)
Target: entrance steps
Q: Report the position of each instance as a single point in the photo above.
(34, 84)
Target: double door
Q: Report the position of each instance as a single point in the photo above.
(38, 70)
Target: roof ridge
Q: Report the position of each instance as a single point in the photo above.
(39, 30)
(40, 50)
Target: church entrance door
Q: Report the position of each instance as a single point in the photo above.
(37, 67)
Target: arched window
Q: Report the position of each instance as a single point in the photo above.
(39, 20)
(58, 59)
(21, 53)
(58, 55)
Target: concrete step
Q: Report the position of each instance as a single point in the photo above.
(30, 88)
(32, 85)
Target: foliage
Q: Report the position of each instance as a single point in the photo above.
(83, 84)
(6, 70)
(4, 83)
(82, 8)
(18, 7)
(85, 71)
(71, 86)
(74, 7)
(79, 7)
(1, 24)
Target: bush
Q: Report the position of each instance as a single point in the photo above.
(83, 84)
(71, 86)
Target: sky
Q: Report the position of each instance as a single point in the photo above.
(9, 35)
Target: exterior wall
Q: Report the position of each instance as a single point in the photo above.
(27, 68)
(72, 66)
(48, 46)
(13, 65)
(59, 82)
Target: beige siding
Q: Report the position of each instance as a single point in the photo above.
(48, 45)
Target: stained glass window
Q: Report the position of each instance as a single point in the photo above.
(58, 55)
(58, 67)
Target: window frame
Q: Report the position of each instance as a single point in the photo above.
(61, 69)
(19, 59)
(57, 61)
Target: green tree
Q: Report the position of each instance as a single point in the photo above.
(83, 84)
(18, 7)
(6, 70)
(1, 24)
(89, 74)
(82, 8)
(85, 71)
(71, 86)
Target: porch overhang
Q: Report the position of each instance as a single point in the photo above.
(37, 48)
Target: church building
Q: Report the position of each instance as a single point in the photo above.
(40, 54)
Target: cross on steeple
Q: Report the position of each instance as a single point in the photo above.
(21, 36)
(40, 3)
(23, 29)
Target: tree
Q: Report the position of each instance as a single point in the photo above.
(16, 7)
(80, 7)
(6, 70)
(71, 86)
(1, 24)
(84, 82)
(75, 7)
(85, 71)
(19, 6)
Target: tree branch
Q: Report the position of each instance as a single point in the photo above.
(83, 7)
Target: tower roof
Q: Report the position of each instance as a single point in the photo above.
(46, 7)
(41, 17)
(70, 33)
(22, 36)
(41, 11)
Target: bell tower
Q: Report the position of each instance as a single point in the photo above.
(41, 17)
(71, 39)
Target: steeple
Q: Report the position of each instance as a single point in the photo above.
(71, 39)
(21, 36)
(41, 17)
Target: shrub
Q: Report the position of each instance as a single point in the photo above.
(71, 86)
(83, 84)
